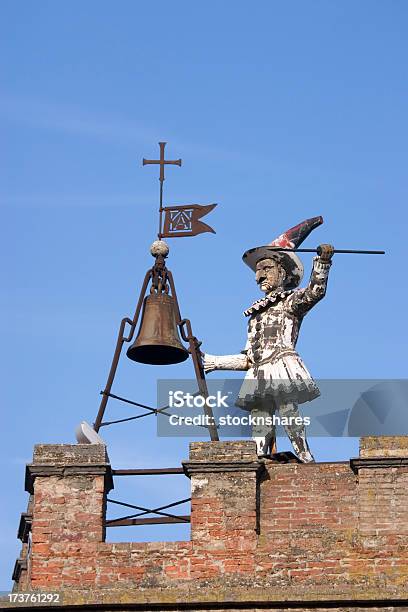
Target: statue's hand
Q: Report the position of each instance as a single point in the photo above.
(325, 252)
(209, 362)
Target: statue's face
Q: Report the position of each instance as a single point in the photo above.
(269, 275)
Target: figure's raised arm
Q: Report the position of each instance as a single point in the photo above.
(302, 300)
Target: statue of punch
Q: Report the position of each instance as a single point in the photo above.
(277, 380)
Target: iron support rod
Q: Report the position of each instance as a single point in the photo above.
(148, 472)
(128, 401)
(149, 521)
(133, 418)
(198, 369)
(159, 235)
(119, 343)
(148, 510)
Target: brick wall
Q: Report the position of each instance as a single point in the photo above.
(262, 532)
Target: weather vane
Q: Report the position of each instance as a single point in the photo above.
(179, 221)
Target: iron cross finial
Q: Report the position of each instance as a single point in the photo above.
(162, 161)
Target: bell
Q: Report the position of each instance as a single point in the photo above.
(158, 341)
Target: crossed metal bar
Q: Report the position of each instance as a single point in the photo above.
(139, 416)
(126, 520)
(149, 412)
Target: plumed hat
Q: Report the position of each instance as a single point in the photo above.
(291, 239)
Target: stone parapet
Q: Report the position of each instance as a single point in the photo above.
(222, 452)
(225, 502)
(384, 446)
(63, 460)
(262, 533)
(70, 454)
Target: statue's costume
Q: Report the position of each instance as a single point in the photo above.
(276, 371)
(276, 378)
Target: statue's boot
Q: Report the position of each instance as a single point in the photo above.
(296, 433)
(263, 435)
(265, 445)
(300, 444)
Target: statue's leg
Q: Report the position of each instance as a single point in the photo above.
(296, 433)
(262, 433)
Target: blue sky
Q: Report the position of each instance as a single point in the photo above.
(280, 111)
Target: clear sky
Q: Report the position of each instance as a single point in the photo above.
(280, 111)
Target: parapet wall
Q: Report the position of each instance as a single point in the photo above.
(263, 534)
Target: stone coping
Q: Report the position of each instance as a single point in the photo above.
(19, 566)
(199, 467)
(68, 454)
(24, 526)
(33, 470)
(378, 463)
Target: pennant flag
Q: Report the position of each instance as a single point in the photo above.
(182, 221)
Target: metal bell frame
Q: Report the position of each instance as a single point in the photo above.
(161, 281)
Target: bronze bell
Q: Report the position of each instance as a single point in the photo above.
(158, 341)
